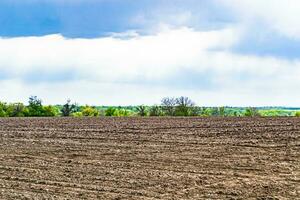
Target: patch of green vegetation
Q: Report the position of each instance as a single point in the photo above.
(181, 106)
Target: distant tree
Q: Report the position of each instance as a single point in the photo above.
(35, 107)
(50, 111)
(183, 106)
(142, 110)
(17, 110)
(68, 109)
(155, 111)
(168, 105)
(252, 112)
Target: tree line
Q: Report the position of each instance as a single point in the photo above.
(169, 106)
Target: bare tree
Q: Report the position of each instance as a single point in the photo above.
(168, 105)
(184, 106)
(184, 101)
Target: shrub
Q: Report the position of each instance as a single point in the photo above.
(77, 114)
(155, 111)
(195, 111)
(142, 110)
(297, 114)
(3, 108)
(16, 110)
(50, 111)
(90, 111)
(110, 111)
(222, 111)
(121, 113)
(252, 112)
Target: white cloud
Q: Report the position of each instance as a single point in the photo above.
(280, 15)
(109, 59)
(111, 70)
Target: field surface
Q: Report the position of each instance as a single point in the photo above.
(150, 158)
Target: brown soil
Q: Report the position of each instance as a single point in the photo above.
(150, 158)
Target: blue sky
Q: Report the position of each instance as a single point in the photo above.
(94, 18)
(122, 52)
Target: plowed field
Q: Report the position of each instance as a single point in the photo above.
(150, 158)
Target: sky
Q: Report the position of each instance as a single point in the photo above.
(128, 52)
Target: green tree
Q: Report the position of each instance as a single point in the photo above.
(50, 111)
(35, 108)
(68, 109)
(16, 110)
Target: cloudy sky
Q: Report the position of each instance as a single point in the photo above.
(125, 52)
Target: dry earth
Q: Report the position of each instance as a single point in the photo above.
(150, 158)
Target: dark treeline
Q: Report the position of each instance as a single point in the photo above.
(169, 106)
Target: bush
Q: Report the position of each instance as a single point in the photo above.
(156, 111)
(16, 110)
(90, 112)
(276, 113)
(222, 111)
(3, 108)
(252, 112)
(297, 114)
(110, 111)
(77, 114)
(122, 113)
(50, 111)
(142, 111)
(195, 111)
